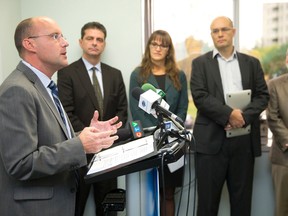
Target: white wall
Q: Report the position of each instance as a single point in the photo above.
(9, 18)
(122, 20)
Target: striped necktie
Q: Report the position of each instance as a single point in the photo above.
(54, 91)
(98, 92)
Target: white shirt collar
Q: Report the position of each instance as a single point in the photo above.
(43, 78)
(88, 65)
(216, 52)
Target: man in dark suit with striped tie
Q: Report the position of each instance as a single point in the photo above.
(87, 85)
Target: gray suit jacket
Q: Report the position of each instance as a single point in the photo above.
(212, 112)
(37, 163)
(277, 117)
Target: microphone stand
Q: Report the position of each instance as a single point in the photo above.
(163, 133)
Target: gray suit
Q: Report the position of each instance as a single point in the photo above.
(277, 117)
(37, 163)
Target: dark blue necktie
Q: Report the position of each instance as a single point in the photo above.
(54, 91)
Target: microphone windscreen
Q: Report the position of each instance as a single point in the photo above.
(136, 92)
(147, 86)
(124, 134)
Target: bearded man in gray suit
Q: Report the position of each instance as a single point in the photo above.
(39, 152)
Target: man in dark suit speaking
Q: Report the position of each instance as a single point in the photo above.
(218, 157)
(39, 152)
(88, 84)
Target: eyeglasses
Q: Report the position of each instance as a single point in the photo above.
(55, 36)
(161, 46)
(224, 30)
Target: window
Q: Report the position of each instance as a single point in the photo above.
(188, 23)
(260, 23)
(262, 30)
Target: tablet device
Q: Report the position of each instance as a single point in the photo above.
(239, 100)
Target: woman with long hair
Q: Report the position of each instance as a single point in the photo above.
(159, 68)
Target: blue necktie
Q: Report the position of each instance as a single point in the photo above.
(54, 91)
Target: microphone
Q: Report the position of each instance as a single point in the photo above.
(134, 131)
(123, 134)
(137, 129)
(147, 86)
(146, 99)
(150, 100)
(163, 103)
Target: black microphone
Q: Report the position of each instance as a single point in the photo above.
(150, 99)
(123, 134)
(134, 131)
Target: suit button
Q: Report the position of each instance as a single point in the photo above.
(73, 190)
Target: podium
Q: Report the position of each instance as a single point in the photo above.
(168, 153)
(150, 160)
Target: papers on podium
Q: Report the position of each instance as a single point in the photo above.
(133, 151)
(238, 100)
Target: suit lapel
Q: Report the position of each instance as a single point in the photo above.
(244, 70)
(44, 94)
(213, 67)
(151, 79)
(85, 81)
(168, 83)
(106, 79)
